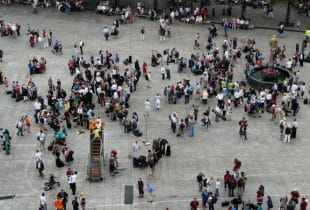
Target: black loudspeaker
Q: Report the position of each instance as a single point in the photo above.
(128, 194)
(130, 59)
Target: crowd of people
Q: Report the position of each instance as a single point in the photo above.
(102, 76)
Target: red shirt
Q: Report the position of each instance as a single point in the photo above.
(303, 205)
(194, 204)
(203, 11)
(227, 177)
(144, 68)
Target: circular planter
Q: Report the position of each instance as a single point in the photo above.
(257, 81)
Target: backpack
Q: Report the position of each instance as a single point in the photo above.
(190, 91)
(214, 199)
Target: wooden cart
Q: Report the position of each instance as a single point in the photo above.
(95, 164)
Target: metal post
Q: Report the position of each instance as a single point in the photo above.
(146, 119)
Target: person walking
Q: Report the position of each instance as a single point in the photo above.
(163, 72)
(142, 32)
(41, 168)
(59, 203)
(191, 126)
(288, 132)
(64, 198)
(211, 201)
(269, 203)
(82, 201)
(194, 204)
(136, 153)
(231, 186)
(27, 123)
(140, 187)
(294, 129)
(226, 27)
(157, 100)
(20, 127)
(81, 45)
(227, 178)
(43, 202)
(75, 203)
(168, 71)
(41, 139)
(152, 165)
(199, 178)
(147, 107)
(303, 204)
(38, 158)
(72, 182)
(217, 187)
(149, 190)
(204, 198)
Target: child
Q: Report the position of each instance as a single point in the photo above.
(6, 84)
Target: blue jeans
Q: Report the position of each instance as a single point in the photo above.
(260, 207)
(43, 207)
(191, 131)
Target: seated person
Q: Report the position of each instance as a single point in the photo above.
(154, 61)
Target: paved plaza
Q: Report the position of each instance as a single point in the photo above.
(280, 167)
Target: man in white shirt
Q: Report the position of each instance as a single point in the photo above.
(289, 64)
(37, 108)
(43, 203)
(72, 182)
(147, 107)
(41, 139)
(220, 100)
(38, 157)
(81, 45)
(136, 150)
(163, 71)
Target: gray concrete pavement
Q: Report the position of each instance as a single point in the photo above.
(279, 167)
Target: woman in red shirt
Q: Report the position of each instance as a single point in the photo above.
(194, 204)
(303, 204)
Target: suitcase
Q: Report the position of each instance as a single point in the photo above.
(135, 162)
(130, 59)
(142, 161)
(168, 150)
(225, 203)
(306, 101)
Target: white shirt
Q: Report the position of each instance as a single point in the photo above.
(41, 136)
(289, 64)
(147, 105)
(220, 96)
(217, 184)
(136, 150)
(37, 105)
(72, 179)
(38, 156)
(162, 70)
(42, 200)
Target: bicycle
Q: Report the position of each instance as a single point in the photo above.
(50, 185)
